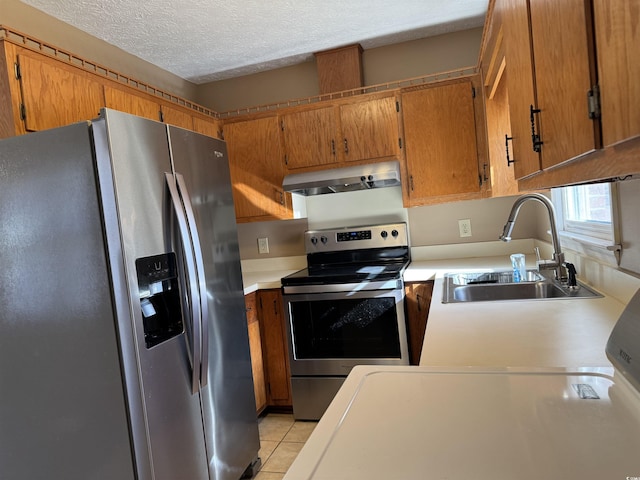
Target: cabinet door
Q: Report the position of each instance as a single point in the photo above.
(618, 47)
(440, 141)
(309, 137)
(276, 353)
(370, 130)
(563, 74)
(417, 304)
(255, 347)
(256, 171)
(177, 117)
(54, 95)
(129, 103)
(210, 127)
(515, 15)
(503, 181)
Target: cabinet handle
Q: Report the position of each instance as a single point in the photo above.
(346, 146)
(535, 138)
(281, 198)
(506, 144)
(333, 148)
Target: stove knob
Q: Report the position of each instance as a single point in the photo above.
(314, 240)
(324, 239)
(394, 233)
(384, 234)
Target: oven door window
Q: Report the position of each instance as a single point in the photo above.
(345, 328)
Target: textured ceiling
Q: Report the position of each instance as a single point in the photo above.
(207, 40)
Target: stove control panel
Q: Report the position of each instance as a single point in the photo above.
(356, 238)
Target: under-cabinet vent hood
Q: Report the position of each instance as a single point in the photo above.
(347, 179)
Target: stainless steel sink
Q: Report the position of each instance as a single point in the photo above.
(483, 287)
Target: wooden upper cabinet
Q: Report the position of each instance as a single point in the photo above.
(210, 127)
(256, 170)
(440, 141)
(559, 62)
(127, 102)
(309, 137)
(370, 129)
(54, 95)
(177, 117)
(564, 76)
(618, 45)
(519, 66)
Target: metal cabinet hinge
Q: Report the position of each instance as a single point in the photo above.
(397, 106)
(16, 71)
(593, 100)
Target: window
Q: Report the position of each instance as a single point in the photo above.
(586, 218)
(587, 210)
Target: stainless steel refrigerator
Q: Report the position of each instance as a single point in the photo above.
(123, 339)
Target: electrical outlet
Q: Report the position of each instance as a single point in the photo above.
(465, 227)
(263, 245)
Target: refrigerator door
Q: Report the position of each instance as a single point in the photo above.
(231, 426)
(63, 412)
(138, 155)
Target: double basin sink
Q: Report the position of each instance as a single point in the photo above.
(479, 287)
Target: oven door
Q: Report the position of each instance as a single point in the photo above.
(330, 333)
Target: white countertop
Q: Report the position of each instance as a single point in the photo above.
(435, 423)
(264, 274)
(523, 333)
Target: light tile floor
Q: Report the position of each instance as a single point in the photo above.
(281, 438)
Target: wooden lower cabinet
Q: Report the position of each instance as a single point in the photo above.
(255, 347)
(417, 302)
(269, 351)
(275, 350)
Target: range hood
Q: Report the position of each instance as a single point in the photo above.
(347, 179)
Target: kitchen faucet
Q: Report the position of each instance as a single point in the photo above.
(557, 263)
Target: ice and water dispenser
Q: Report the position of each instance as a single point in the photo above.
(159, 298)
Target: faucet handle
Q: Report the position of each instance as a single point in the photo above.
(538, 259)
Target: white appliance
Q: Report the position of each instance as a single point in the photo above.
(486, 424)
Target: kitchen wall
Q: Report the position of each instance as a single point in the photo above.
(31, 21)
(429, 225)
(381, 65)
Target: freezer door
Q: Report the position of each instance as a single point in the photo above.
(201, 164)
(139, 224)
(62, 405)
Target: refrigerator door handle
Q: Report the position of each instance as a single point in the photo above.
(202, 281)
(192, 275)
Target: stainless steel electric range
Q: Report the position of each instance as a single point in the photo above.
(345, 309)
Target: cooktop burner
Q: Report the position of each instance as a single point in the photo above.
(353, 255)
(326, 274)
